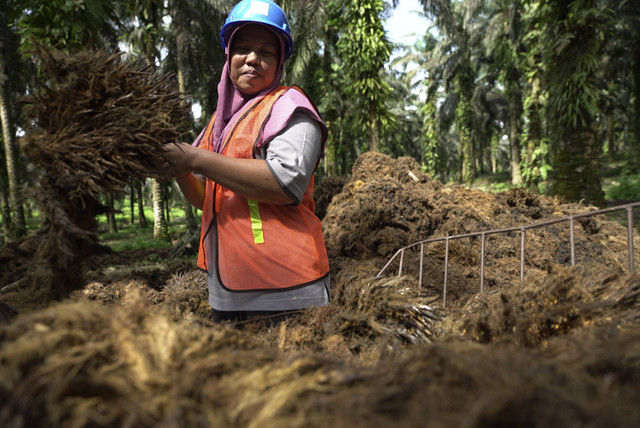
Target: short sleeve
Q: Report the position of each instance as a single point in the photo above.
(293, 154)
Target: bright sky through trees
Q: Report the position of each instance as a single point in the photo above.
(405, 24)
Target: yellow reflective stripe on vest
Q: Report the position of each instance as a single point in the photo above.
(256, 222)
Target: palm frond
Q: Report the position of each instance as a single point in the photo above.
(440, 11)
(307, 19)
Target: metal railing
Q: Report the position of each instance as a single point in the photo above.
(483, 235)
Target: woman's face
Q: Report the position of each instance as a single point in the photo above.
(254, 58)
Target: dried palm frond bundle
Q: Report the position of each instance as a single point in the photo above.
(553, 306)
(368, 318)
(367, 308)
(95, 124)
(186, 296)
(99, 121)
(393, 308)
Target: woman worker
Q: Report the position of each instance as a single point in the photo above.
(251, 173)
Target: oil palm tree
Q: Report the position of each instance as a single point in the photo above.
(573, 33)
(150, 14)
(364, 50)
(626, 40)
(13, 214)
(504, 43)
(453, 59)
(308, 20)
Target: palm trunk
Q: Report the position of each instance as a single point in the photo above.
(330, 151)
(577, 166)
(149, 16)
(467, 173)
(374, 134)
(635, 119)
(111, 216)
(494, 154)
(189, 216)
(578, 149)
(514, 94)
(329, 165)
(465, 117)
(534, 136)
(132, 197)
(477, 150)
(465, 121)
(17, 213)
(181, 40)
(611, 150)
(142, 219)
(535, 122)
(514, 138)
(160, 229)
(6, 216)
(166, 198)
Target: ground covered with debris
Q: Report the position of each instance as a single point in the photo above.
(101, 339)
(560, 349)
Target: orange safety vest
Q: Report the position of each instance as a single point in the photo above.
(260, 246)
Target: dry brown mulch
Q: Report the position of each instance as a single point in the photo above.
(131, 363)
(561, 349)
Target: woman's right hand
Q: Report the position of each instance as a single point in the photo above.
(178, 156)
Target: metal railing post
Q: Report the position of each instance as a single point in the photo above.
(421, 265)
(522, 234)
(630, 236)
(572, 241)
(446, 270)
(482, 239)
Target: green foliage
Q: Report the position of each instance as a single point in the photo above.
(364, 51)
(124, 215)
(500, 187)
(464, 119)
(307, 19)
(550, 53)
(626, 189)
(67, 24)
(493, 183)
(536, 168)
(572, 56)
(133, 238)
(192, 48)
(431, 155)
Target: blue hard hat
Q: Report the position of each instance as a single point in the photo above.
(262, 12)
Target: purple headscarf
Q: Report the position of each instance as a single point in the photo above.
(232, 103)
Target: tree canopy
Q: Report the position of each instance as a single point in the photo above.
(539, 90)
